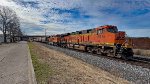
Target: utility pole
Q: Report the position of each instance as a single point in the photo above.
(45, 32)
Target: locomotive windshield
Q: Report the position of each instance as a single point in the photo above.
(112, 30)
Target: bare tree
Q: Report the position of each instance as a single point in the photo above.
(9, 23)
(14, 29)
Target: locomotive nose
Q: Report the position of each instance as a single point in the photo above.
(120, 38)
(120, 35)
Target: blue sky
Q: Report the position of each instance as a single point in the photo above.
(60, 16)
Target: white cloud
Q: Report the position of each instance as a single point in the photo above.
(31, 17)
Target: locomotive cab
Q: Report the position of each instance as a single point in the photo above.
(110, 35)
(112, 29)
(114, 41)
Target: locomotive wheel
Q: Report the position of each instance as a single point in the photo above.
(99, 51)
(94, 52)
(110, 53)
(89, 49)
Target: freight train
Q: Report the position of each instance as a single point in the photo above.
(103, 40)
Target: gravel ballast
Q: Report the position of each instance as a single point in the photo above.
(132, 73)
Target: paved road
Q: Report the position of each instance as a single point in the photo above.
(15, 64)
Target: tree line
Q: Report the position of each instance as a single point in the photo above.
(9, 24)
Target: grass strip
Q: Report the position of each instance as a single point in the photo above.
(41, 69)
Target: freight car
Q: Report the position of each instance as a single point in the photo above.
(104, 40)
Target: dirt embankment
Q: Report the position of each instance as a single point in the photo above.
(142, 52)
(68, 70)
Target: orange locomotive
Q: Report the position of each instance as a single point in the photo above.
(54, 40)
(106, 40)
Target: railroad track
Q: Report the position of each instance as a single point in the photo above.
(141, 59)
(138, 61)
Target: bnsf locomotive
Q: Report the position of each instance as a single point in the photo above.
(104, 40)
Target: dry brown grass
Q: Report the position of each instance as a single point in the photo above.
(68, 70)
(141, 52)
